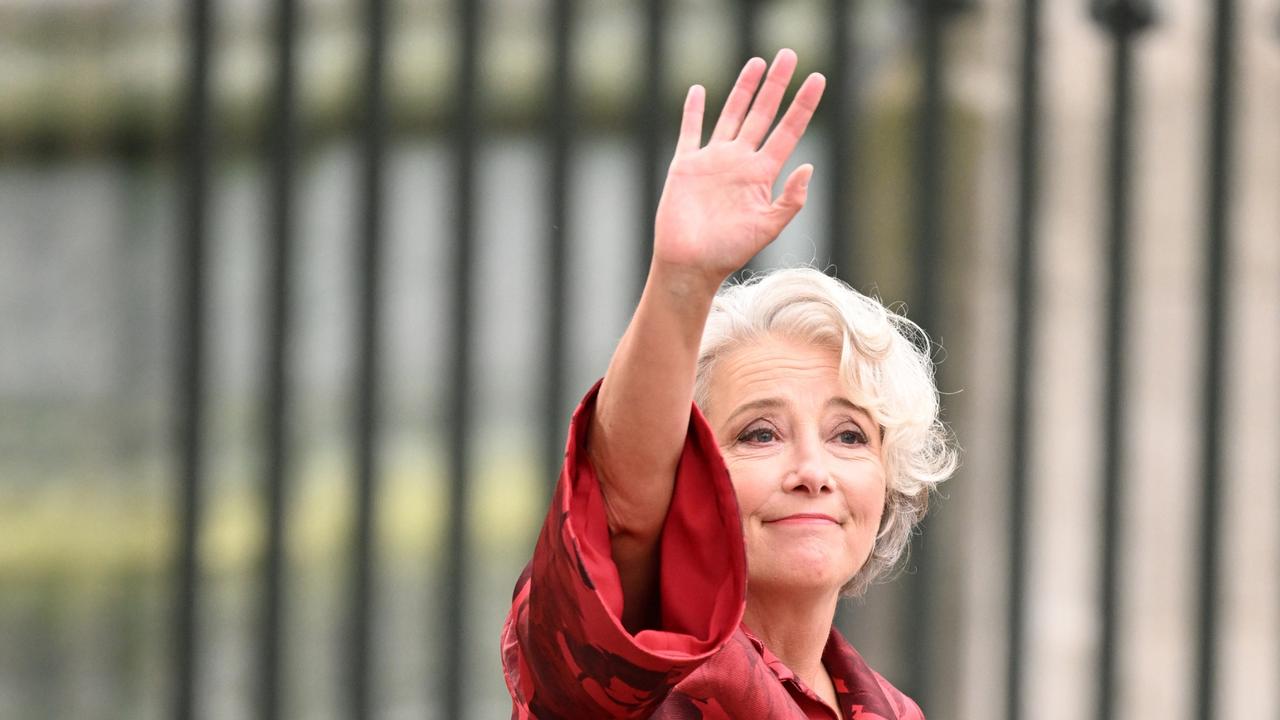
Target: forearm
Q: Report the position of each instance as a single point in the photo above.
(640, 425)
(642, 414)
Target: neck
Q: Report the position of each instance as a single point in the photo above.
(793, 627)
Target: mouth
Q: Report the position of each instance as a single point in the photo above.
(804, 519)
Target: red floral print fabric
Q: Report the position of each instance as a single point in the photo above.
(566, 655)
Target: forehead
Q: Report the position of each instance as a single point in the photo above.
(773, 365)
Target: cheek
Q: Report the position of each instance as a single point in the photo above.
(866, 504)
(866, 493)
(753, 482)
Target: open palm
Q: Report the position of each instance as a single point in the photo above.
(717, 208)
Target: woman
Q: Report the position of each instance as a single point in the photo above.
(747, 458)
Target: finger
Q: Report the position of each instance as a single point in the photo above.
(735, 106)
(691, 123)
(794, 193)
(768, 99)
(784, 138)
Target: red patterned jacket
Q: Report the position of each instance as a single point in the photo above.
(565, 653)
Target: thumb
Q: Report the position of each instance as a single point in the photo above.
(794, 193)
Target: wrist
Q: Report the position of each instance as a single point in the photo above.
(683, 283)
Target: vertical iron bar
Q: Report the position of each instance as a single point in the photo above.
(927, 207)
(1115, 387)
(650, 121)
(930, 166)
(276, 371)
(559, 135)
(368, 307)
(1217, 246)
(838, 107)
(748, 29)
(839, 100)
(1024, 308)
(748, 33)
(466, 121)
(1123, 19)
(190, 330)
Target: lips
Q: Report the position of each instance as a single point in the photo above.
(804, 519)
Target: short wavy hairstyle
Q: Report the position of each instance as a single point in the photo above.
(884, 357)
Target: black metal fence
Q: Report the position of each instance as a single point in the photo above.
(1124, 22)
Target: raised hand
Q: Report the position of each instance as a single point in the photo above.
(718, 208)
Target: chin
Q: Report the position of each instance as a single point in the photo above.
(803, 572)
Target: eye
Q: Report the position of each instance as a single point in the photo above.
(852, 436)
(758, 435)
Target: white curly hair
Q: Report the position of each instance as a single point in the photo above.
(884, 357)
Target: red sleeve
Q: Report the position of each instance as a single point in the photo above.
(565, 652)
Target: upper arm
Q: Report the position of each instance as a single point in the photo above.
(565, 647)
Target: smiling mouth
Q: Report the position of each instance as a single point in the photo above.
(804, 519)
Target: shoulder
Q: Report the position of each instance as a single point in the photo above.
(903, 706)
(861, 687)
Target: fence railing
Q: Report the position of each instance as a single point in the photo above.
(1124, 21)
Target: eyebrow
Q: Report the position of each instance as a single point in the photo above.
(762, 404)
(775, 403)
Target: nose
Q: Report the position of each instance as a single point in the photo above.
(808, 472)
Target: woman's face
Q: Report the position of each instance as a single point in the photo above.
(805, 461)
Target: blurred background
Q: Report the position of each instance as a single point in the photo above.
(296, 298)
